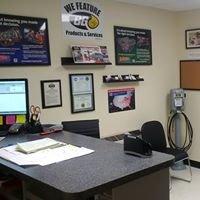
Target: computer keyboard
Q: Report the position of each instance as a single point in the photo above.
(37, 145)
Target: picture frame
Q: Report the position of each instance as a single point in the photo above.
(192, 38)
(122, 99)
(25, 42)
(82, 92)
(51, 93)
(133, 46)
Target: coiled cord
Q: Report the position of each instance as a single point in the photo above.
(188, 136)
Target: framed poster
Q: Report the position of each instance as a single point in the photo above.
(82, 92)
(23, 41)
(192, 38)
(51, 93)
(121, 99)
(132, 46)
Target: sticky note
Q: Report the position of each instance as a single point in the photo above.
(1, 120)
(10, 119)
(21, 119)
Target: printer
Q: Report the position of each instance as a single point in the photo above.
(136, 146)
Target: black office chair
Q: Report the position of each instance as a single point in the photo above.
(153, 132)
(83, 127)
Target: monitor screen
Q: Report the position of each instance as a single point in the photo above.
(13, 100)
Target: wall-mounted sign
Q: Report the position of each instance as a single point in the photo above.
(23, 41)
(121, 99)
(82, 19)
(132, 46)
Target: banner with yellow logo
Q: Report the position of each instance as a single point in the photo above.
(82, 19)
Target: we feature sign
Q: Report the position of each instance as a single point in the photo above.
(82, 19)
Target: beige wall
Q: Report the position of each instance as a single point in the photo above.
(190, 20)
(151, 95)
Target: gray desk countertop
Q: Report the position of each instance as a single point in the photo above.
(104, 169)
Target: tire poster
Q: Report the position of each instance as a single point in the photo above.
(132, 46)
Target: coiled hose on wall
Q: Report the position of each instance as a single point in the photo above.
(188, 135)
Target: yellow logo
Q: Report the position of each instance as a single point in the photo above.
(93, 22)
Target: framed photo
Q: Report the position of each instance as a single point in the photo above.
(23, 41)
(81, 92)
(192, 38)
(121, 99)
(51, 93)
(132, 46)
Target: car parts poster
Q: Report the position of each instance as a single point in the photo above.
(23, 41)
(132, 46)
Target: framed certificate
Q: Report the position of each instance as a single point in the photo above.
(81, 92)
(51, 93)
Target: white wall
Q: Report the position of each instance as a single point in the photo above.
(190, 20)
(151, 95)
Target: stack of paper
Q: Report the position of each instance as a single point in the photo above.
(42, 157)
(37, 145)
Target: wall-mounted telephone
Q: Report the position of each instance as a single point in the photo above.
(177, 97)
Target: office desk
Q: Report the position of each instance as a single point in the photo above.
(108, 168)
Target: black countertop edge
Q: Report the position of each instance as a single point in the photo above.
(99, 188)
(90, 191)
(125, 179)
(121, 181)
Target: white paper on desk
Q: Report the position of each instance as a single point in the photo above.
(60, 154)
(1, 138)
(43, 157)
(9, 153)
(18, 159)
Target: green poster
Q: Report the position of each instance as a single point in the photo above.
(132, 46)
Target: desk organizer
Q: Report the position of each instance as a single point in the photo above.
(122, 78)
(33, 128)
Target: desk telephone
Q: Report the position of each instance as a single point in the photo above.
(136, 146)
(15, 128)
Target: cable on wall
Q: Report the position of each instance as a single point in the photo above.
(188, 135)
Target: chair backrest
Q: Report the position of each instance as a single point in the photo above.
(153, 133)
(83, 127)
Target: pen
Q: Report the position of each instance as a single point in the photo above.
(49, 131)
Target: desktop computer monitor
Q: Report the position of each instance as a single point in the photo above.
(14, 102)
